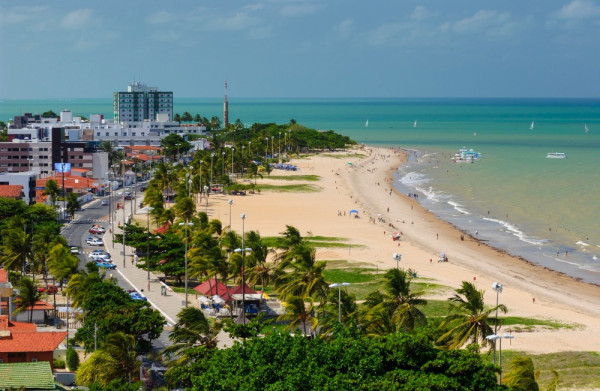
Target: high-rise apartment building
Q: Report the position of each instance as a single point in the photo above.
(141, 102)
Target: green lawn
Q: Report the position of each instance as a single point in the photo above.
(311, 178)
(575, 369)
(299, 188)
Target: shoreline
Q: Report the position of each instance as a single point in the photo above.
(367, 187)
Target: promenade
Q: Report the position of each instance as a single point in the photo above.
(168, 305)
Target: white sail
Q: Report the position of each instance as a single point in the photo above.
(531, 126)
(586, 129)
(415, 124)
(367, 124)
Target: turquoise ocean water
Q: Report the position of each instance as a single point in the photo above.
(514, 197)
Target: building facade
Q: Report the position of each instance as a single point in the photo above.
(141, 102)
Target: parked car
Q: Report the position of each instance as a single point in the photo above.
(104, 202)
(74, 250)
(100, 256)
(97, 229)
(96, 242)
(127, 196)
(90, 239)
(106, 265)
(137, 296)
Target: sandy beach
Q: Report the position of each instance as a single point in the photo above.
(365, 185)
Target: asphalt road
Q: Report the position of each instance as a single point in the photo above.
(76, 234)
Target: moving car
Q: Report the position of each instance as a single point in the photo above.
(137, 296)
(74, 250)
(90, 239)
(100, 256)
(97, 229)
(104, 202)
(96, 242)
(106, 265)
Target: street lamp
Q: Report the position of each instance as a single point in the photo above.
(243, 146)
(223, 160)
(212, 155)
(397, 257)
(243, 251)
(495, 337)
(272, 146)
(339, 286)
(279, 146)
(267, 149)
(206, 196)
(498, 288)
(232, 150)
(230, 202)
(186, 224)
(148, 209)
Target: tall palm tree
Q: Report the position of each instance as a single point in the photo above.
(399, 301)
(52, 190)
(522, 375)
(298, 313)
(470, 320)
(16, 249)
(192, 329)
(185, 208)
(28, 296)
(73, 204)
(291, 238)
(61, 263)
(121, 348)
(79, 285)
(303, 275)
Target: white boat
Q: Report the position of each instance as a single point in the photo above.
(586, 129)
(415, 124)
(466, 155)
(532, 126)
(367, 124)
(556, 155)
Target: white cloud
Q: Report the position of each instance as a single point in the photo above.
(480, 21)
(161, 17)
(294, 10)
(577, 10)
(344, 28)
(420, 13)
(384, 34)
(77, 19)
(17, 15)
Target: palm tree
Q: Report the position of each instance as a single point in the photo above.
(185, 208)
(303, 275)
(79, 285)
(16, 250)
(121, 348)
(522, 376)
(52, 190)
(291, 238)
(399, 302)
(28, 296)
(192, 329)
(61, 263)
(470, 320)
(298, 313)
(73, 204)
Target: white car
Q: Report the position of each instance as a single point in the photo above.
(90, 239)
(74, 250)
(96, 242)
(100, 256)
(104, 202)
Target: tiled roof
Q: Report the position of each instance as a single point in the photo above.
(3, 275)
(11, 191)
(24, 337)
(31, 375)
(144, 148)
(41, 305)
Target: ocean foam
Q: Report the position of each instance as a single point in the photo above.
(458, 207)
(414, 179)
(517, 232)
(584, 244)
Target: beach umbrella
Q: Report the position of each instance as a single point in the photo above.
(353, 211)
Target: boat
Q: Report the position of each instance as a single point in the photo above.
(532, 126)
(556, 155)
(586, 128)
(415, 124)
(466, 155)
(367, 124)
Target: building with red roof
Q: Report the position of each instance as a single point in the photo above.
(11, 191)
(21, 342)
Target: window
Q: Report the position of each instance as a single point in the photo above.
(33, 359)
(98, 134)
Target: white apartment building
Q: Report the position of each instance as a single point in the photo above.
(141, 102)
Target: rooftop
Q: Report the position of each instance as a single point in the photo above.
(31, 375)
(11, 191)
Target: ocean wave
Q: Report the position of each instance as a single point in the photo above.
(458, 207)
(431, 194)
(584, 244)
(413, 179)
(517, 232)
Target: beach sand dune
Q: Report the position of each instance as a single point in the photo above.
(365, 186)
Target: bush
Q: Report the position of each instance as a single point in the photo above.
(58, 364)
(72, 359)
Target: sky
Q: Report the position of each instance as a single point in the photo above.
(301, 48)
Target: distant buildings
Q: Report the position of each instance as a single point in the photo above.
(141, 102)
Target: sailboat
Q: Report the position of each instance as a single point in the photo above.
(586, 129)
(415, 124)
(532, 126)
(367, 124)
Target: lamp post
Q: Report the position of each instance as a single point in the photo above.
(232, 150)
(230, 202)
(272, 146)
(186, 224)
(148, 209)
(339, 286)
(267, 149)
(123, 177)
(242, 174)
(212, 155)
(243, 251)
(498, 288)
(495, 337)
(279, 147)
(206, 196)
(223, 168)
(397, 257)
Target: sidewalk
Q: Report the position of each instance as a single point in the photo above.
(169, 305)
